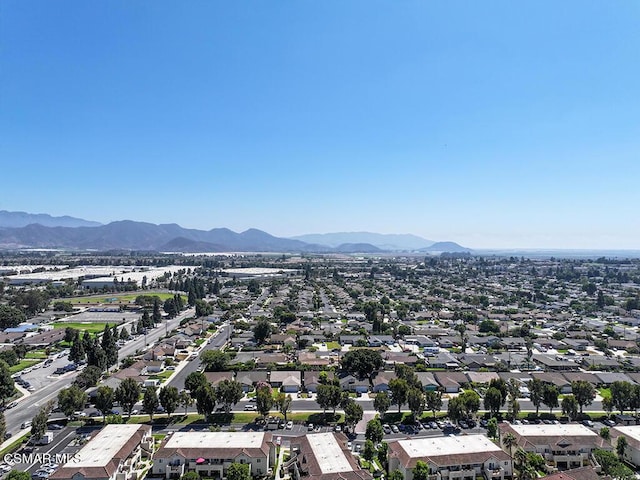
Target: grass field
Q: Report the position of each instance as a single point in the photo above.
(117, 298)
(22, 365)
(90, 327)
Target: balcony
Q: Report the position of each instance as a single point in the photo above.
(493, 473)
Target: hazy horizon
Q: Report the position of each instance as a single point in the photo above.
(495, 125)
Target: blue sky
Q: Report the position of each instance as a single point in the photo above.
(496, 124)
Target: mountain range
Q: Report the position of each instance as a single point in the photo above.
(23, 230)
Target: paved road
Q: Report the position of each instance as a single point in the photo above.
(215, 342)
(48, 385)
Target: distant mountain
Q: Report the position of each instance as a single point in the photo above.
(449, 247)
(22, 219)
(388, 242)
(129, 235)
(357, 248)
(77, 234)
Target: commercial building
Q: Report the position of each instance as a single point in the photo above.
(210, 453)
(451, 458)
(113, 454)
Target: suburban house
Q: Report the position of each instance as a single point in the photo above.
(286, 381)
(210, 453)
(451, 458)
(112, 454)
(312, 380)
(250, 379)
(352, 384)
(324, 456)
(381, 381)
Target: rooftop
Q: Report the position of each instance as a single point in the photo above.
(454, 445)
(215, 440)
(104, 446)
(543, 430)
(329, 453)
(631, 431)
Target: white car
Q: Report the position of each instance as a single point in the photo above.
(289, 425)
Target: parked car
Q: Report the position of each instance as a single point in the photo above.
(395, 429)
(386, 428)
(289, 425)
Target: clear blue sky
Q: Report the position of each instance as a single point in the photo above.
(490, 123)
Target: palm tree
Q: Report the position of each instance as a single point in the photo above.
(509, 441)
(528, 472)
(520, 458)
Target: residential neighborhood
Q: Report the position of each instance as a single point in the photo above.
(328, 366)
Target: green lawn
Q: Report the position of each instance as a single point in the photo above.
(118, 298)
(22, 365)
(162, 376)
(97, 327)
(605, 392)
(332, 345)
(37, 354)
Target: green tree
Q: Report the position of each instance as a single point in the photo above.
(77, 353)
(206, 399)
(3, 425)
(421, 471)
(169, 399)
(550, 396)
(509, 441)
(493, 400)
(127, 394)
(229, 392)
(399, 390)
(109, 346)
(71, 399)
(261, 331)
(150, 402)
(264, 399)
(416, 402)
(214, 360)
(492, 427)
(622, 395)
(471, 401)
(374, 431)
(39, 421)
(194, 381)
(605, 433)
(352, 414)
(433, 401)
(584, 393)
(10, 317)
(570, 407)
(18, 475)
(536, 390)
(328, 396)
(369, 451)
(394, 475)
(456, 409)
(88, 377)
(185, 400)
(607, 405)
(190, 476)
(382, 402)
(238, 471)
(362, 362)
(104, 400)
(621, 447)
(284, 404)
(7, 384)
